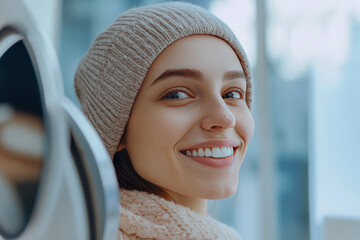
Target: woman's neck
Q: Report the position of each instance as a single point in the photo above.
(198, 205)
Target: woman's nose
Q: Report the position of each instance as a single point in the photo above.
(217, 116)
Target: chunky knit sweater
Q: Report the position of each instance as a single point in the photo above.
(147, 216)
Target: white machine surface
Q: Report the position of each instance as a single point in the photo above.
(56, 179)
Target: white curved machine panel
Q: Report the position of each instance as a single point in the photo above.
(56, 179)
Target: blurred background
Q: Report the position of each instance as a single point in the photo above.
(302, 167)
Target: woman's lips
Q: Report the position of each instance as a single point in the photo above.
(215, 153)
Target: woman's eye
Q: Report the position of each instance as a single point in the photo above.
(176, 95)
(234, 94)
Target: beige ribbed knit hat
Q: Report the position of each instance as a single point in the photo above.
(110, 74)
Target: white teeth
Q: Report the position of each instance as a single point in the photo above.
(207, 152)
(214, 152)
(194, 153)
(225, 151)
(201, 152)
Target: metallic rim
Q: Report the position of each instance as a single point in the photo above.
(99, 173)
(43, 57)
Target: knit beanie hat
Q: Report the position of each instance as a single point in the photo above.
(110, 74)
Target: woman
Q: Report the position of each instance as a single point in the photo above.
(168, 89)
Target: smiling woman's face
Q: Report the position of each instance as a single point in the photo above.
(190, 126)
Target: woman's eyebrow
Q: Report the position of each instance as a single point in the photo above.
(195, 74)
(189, 73)
(234, 75)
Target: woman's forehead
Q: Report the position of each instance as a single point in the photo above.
(195, 56)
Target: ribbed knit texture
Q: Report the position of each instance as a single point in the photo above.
(110, 74)
(147, 216)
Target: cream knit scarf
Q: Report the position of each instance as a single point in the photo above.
(147, 216)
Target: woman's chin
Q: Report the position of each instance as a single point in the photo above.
(218, 193)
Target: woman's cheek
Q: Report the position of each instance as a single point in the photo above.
(169, 123)
(245, 126)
